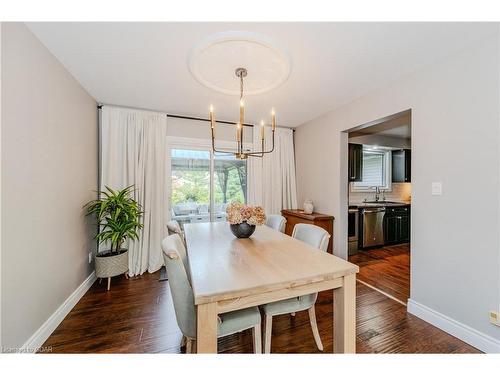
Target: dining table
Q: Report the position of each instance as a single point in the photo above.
(229, 273)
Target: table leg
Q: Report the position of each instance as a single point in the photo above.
(206, 328)
(344, 316)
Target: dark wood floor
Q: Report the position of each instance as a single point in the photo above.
(386, 268)
(137, 316)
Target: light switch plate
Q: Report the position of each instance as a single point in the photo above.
(495, 318)
(437, 188)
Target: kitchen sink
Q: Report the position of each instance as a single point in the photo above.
(382, 202)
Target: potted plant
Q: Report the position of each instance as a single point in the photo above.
(118, 218)
(243, 218)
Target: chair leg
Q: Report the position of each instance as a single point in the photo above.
(268, 327)
(183, 341)
(314, 327)
(109, 283)
(257, 339)
(189, 345)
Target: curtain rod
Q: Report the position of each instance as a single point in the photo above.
(99, 106)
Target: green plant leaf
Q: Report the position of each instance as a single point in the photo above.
(118, 216)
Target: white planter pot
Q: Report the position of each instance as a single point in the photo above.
(111, 265)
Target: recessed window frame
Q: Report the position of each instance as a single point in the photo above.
(358, 187)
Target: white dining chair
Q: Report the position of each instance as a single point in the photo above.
(185, 312)
(174, 227)
(318, 238)
(276, 222)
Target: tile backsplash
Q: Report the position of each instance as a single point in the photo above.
(401, 192)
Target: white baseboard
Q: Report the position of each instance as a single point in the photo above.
(465, 333)
(43, 333)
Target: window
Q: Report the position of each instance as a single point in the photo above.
(190, 189)
(202, 184)
(230, 179)
(376, 170)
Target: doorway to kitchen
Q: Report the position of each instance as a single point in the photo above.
(379, 211)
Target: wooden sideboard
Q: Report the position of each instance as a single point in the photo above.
(321, 220)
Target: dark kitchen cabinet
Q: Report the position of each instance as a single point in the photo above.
(397, 225)
(404, 228)
(355, 162)
(391, 229)
(401, 166)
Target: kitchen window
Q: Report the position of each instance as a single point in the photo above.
(376, 171)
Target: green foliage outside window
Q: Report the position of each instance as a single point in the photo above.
(194, 186)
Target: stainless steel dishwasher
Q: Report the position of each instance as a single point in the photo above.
(373, 226)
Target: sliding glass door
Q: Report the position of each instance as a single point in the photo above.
(204, 183)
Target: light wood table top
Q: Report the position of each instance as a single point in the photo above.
(225, 267)
(228, 273)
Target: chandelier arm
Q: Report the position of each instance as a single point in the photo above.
(223, 150)
(214, 149)
(261, 153)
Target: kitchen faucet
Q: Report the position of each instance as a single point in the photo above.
(377, 193)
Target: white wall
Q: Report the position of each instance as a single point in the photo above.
(455, 139)
(49, 170)
(201, 129)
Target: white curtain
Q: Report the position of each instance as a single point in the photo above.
(133, 152)
(272, 179)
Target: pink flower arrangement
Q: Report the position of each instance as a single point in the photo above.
(237, 213)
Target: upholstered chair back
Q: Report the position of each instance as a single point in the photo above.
(182, 293)
(276, 222)
(313, 235)
(174, 227)
(181, 248)
(316, 237)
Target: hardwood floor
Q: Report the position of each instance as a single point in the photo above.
(137, 316)
(386, 268)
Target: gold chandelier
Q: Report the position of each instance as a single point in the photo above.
(240, 153)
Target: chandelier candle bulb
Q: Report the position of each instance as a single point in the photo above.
(273, 114)
(238, 132)
(242, 112)
(262, 130)
(212, 117)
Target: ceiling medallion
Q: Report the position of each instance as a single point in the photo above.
(211, 59)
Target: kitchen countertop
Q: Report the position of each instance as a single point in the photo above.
(378, 204)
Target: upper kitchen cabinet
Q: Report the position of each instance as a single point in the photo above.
(401, 166)
(355, 162)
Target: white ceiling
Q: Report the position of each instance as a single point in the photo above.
(399, 132)
(396, 126)
(146, 64)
